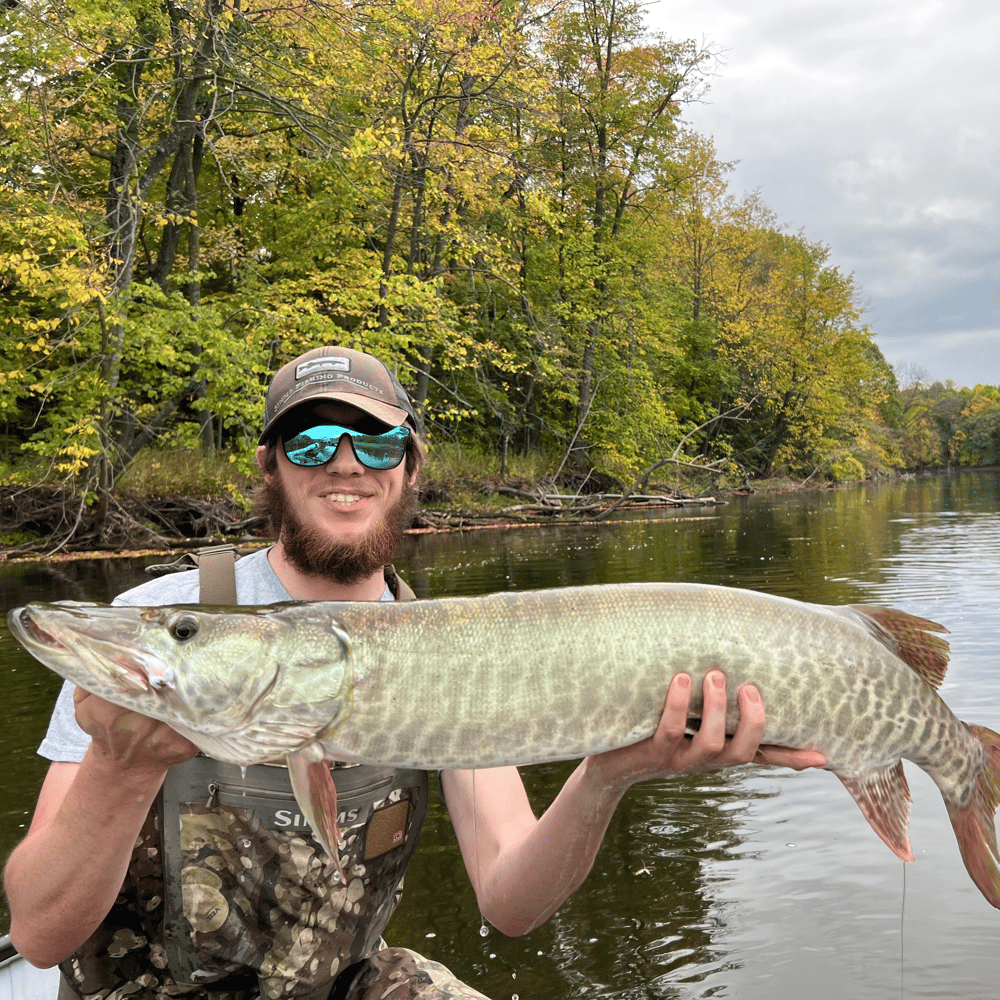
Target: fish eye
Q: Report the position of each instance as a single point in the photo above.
(184, 628)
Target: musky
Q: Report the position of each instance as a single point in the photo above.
(871, 126)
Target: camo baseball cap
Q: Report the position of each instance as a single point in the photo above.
(340, 374)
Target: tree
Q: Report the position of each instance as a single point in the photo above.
(618, 92)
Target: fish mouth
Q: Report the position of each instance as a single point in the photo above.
(36, 632)
(129, 670)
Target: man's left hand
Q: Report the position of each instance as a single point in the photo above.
(669, 751)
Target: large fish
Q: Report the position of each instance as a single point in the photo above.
(517, 678)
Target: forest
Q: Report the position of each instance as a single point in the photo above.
(501, 200)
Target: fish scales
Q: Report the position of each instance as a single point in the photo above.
(605, 675)
(524, 677)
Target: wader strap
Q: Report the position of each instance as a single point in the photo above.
(217, 585)
(217, 574)
(400, 590)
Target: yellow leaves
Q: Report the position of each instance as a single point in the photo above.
(167, 218)
(22, 266)
(73, 458)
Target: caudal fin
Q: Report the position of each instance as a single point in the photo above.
(974, 826)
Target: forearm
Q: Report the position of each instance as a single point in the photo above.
(63, 878)
(521, 881)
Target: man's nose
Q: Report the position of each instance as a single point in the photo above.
(344, 460)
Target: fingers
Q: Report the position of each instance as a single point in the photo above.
(669, 752)
(129, 739)
(711, 747)
(673, 721)
(750, 729)
(744, 746)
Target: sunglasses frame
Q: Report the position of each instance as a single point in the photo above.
(393, 436)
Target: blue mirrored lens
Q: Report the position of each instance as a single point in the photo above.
(317, 445)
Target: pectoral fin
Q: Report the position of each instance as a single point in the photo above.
(316, 795)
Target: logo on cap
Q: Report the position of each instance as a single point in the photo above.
(308, 368)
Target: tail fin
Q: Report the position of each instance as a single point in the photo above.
(974, 827)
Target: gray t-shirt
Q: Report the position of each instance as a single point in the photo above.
(255, 584)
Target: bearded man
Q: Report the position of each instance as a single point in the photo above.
(151, 872)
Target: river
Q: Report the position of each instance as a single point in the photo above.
(749, 883)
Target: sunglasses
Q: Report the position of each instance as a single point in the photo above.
(317, 445)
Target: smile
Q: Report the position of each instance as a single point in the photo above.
(347, 498)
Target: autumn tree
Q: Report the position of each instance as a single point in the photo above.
(618, 91)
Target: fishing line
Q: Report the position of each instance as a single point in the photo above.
(902, 914)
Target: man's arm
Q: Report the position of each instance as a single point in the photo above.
(524, 868)
(63, 878)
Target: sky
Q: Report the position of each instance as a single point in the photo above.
(871, 126)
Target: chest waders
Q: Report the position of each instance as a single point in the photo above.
(228, 894)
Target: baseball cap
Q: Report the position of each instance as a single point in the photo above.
(340, 374)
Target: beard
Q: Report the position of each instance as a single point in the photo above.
(314, 552)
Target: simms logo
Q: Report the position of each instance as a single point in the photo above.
(308, 368)
(285, 819)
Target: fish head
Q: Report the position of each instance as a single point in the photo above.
(244, 684)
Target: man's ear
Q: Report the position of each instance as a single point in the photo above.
(261, 452)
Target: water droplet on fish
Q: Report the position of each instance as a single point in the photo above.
(243, 771)
(789, 845)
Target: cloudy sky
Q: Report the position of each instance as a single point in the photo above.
(873, 126)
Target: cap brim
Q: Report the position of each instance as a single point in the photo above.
(394, 416)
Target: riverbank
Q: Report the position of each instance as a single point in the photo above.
(30, 517)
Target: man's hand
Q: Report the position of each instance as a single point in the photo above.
(129, 740)
(668, 751)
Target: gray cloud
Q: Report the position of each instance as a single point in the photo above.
(873, 128)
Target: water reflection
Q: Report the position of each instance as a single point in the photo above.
(760, 883)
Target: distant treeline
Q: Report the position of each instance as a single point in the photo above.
(499, 199)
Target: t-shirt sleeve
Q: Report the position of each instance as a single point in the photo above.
(65, 740)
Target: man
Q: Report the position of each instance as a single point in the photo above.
(139, 883)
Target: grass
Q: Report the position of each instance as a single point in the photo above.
(460, 476)
(184, 472)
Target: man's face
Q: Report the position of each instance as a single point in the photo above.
(341, 519)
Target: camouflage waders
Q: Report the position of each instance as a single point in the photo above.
(253, 907)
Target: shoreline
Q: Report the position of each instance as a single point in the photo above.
(434, 519)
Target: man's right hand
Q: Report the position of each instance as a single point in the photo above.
(127, 739)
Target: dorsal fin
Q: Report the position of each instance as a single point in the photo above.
(909, 637)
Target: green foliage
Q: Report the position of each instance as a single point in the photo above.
(499, 201)
(943, 425)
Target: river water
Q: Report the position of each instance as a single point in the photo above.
(750, 883)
